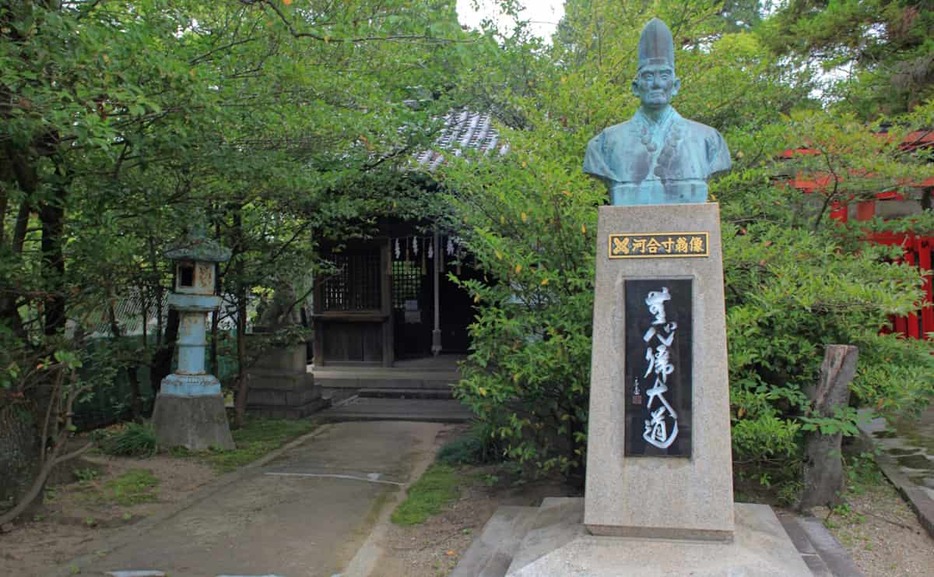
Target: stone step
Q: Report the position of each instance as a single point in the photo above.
(382, 409)
(392, 393)
(281, 411)
(491, 553)
(358, 381)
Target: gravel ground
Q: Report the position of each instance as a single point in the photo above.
(881, 533)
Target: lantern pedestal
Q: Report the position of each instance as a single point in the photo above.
(196, 423)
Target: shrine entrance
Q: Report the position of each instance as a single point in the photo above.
(413, 297)
(391, 298)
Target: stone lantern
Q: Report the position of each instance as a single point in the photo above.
(189, 410)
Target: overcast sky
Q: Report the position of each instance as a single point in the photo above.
(543, 14)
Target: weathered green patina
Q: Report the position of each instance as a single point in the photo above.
(657, 157)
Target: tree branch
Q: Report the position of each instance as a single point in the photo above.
(354, 40)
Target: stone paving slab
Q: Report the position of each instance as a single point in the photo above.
(906, 458)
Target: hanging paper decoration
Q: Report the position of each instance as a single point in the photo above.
(431, 250)
(415, 245)
(398, 250)
(450, 247)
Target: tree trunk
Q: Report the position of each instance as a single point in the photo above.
(162, 359)
(52, 217)
(242, 382)
(19, 453)
(823, 463)
(241, 296)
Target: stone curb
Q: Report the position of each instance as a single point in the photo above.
(108, 544)
(824, 555)
(916, 498)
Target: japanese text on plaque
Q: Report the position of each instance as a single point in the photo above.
(659, 245)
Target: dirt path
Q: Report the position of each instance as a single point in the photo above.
(302, 514)
(77, 515)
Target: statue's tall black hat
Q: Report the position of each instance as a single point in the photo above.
(656, 46)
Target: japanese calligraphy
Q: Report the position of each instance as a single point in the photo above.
(658, 366)
(661, 429)
(681, 244)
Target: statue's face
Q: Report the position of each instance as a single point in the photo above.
(655, 85)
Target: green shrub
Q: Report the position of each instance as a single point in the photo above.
(130, 440)
(530, 225)
(797, 281)
(474, 448)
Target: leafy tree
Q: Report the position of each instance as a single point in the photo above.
(126, 123)
(529, 222)
(796, 280)
(878, 53)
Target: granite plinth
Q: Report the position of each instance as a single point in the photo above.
(652, 496)
(285, 359)
(558, 545)
(196, 423)
(280, 386)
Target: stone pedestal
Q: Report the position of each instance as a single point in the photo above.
(280, 385)
(659, 492)
(557, 544)
(658, 495)
(197, 422)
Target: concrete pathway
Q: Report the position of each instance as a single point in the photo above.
(303, 514)
(906, 457)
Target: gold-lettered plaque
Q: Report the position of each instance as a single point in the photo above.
(659, 245)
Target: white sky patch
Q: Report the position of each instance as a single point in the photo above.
(543, 15)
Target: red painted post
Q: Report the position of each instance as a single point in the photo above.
(924, 247)
(865, 210)
(911, 257)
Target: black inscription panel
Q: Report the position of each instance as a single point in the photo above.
(659, 335)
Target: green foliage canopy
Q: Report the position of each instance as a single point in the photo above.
(795, 279)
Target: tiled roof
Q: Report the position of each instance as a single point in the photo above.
(464, 130)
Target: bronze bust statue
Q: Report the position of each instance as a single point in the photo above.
(657, 157)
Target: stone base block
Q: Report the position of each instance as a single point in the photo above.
(558, 545)
(285, 359)
(196, 423)
(283, 395)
